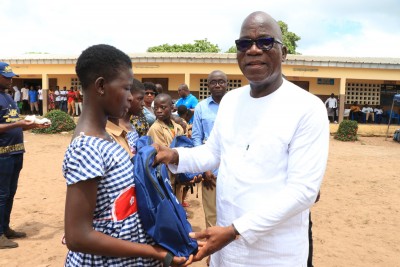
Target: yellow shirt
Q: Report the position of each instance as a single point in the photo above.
(119, 135)
(162, 134)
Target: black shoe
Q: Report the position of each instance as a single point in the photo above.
(10, 234)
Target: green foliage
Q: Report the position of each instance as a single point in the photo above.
(289, 38)
(347, 131)
(60, 122)
(232, 49)
(199, 46)
(204, 46)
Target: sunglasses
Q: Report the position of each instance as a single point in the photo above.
(263, 43)
(149, 93)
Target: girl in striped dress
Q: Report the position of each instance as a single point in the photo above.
(102, 227)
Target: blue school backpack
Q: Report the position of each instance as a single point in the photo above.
(183, 141)
(163, 218)
(396, 135)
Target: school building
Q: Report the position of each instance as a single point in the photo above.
(372, 81)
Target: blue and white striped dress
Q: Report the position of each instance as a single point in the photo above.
(88, 157)
(132, 136)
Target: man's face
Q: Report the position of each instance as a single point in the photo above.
(257, 65)
(183, 91)
(217, 84)
(5, 83)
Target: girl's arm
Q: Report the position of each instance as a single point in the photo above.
(81, 237)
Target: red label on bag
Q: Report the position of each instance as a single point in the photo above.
(125, 204)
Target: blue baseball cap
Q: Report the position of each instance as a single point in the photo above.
(6, 70)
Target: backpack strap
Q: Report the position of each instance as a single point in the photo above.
(168, 259)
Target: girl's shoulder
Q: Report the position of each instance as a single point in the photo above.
(96, 145)
(89, 157)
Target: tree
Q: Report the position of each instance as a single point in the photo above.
(199, 46)
(289, 38)
(232, 49)
(204, 46)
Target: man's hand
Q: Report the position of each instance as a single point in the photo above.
(209, 180)
(25, 125)
(216, 237)
(165, 155)
(29, 125)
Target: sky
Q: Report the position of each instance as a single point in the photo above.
(349, 28)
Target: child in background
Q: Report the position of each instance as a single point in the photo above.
(51, 100)
(163, 131)
(135, 109)
(102, 227)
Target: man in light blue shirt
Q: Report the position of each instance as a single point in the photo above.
(203, 122)
(187, 99)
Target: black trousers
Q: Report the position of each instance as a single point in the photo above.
(310, 244)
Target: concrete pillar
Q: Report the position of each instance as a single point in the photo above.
(187, 79)
(342, 98)
(45, 92)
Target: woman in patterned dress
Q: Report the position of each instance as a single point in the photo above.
(102, 227)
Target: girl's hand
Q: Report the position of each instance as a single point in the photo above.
(181, 261)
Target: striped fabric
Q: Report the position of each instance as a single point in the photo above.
(89, 157)
(132, 137)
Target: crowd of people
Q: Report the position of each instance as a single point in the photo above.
(250, 147)
(29, 99)
(367, 113)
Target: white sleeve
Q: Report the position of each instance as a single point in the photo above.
(201, 158)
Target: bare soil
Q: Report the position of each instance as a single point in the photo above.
(356, 222)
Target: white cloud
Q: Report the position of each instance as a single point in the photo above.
(340, 28)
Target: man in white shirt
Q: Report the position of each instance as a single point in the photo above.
(17, 95)
(378, 114)
(63, 99)
(57, 98)
(332, 106)
(271, 164)
(40, 98)
(369, 112)
(25, 100)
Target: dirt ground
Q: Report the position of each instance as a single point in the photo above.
(356, 222)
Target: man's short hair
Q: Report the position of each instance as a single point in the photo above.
(100, 61)
(164, 96)
(183, 86)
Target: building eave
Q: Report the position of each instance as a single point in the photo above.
(219, 58)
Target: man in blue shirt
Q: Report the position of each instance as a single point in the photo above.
(203, 122)
(187, 99)
(11, 155)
